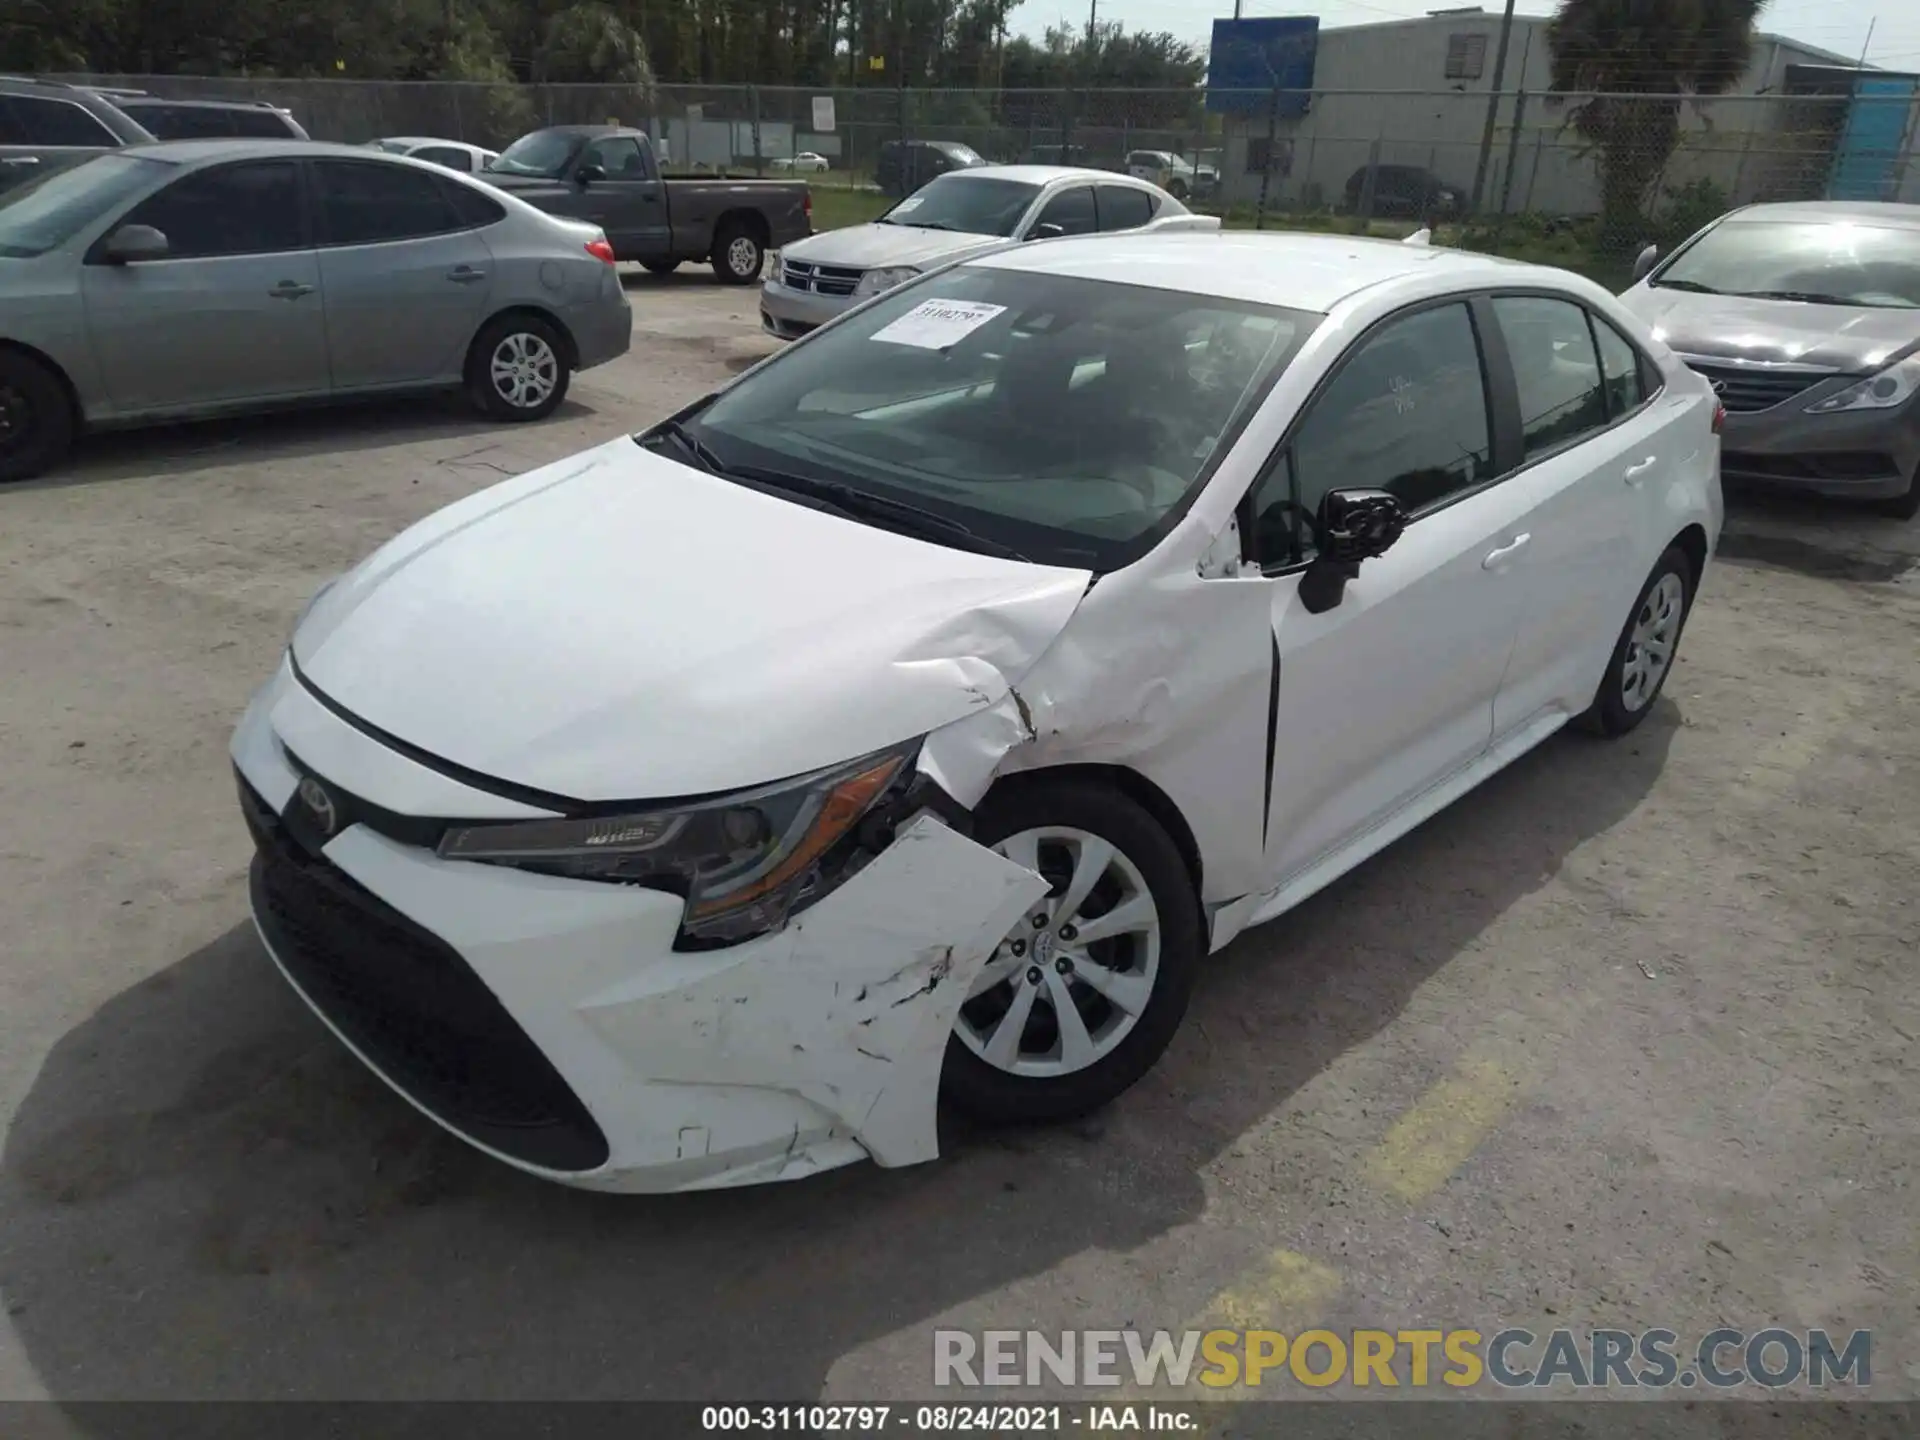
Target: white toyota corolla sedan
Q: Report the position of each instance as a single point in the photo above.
(908, 720)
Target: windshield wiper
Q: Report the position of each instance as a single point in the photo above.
(1807, 297)
(855, 504)
(1691, 286)
(689, 442)
(927, 224)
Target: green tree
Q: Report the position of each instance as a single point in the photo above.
(1638, 60)
(590, 44)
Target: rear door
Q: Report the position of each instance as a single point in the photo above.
(232, 314)
(630, 204)
(1595, 454)
(407, 282)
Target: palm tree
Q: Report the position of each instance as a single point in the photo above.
(1637, 59)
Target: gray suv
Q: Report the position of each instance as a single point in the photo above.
(211, 119)
(46, 123)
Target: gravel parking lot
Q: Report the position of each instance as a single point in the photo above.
(1628, 1037)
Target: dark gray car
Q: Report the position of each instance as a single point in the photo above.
(1806, 319)
(611, 175)
(45, 124)
(210, 276)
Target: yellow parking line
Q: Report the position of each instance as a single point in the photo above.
(1444, 1127)
(1290, 1289)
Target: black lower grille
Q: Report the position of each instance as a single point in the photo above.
(1836, 465)
(416, 1009)
(1745, 391)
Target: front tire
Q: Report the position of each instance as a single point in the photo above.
(738, 254)
(1083, 996)
(36, 417)
(1903, 507)
(517, 369)
(1643, 656)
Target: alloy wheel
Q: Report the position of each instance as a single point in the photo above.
(1070, 980)
(524, 370)
(743, 255)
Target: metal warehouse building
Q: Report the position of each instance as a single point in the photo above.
(1415, 93)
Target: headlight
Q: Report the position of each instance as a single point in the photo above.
(744, 862)
(1892, 386)
(874, 281)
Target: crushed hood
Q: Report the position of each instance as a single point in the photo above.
(867, 247)
(619, 626)
(1842, 337)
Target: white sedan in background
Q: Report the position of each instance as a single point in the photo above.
(962, 213)
(453, 154)
(1078, 607)
(806, 161)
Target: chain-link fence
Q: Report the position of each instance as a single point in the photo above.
(1371, 153)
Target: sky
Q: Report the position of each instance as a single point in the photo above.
(1837, 25)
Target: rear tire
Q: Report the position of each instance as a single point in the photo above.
(1649, 643)
(517, 369)
(1127, 988)
(738, 254)
(36, 417)
(660, 267)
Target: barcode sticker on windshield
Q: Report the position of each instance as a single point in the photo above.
(911, 203)
(936, 324)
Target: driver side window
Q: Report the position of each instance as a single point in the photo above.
(1072, 210)
(1406, 413)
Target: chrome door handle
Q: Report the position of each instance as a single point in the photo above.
(290, 290)
(1639, 468)
(1512, 547)
(465, 274)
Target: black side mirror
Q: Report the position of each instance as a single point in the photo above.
(1644, 262)
(588, 174)
(1351, 526)
(134, 242)
(1046, 230)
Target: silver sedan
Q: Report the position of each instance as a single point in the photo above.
(213, 276)
(957, 215)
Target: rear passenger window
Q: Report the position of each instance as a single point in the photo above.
(1122, 207)
(367, 203)
(473, 208)
(1556, 369)
(168, 122)
(260, 124)
(1620, 367)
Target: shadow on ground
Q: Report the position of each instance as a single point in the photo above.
(203, 1196)
(1817, 537)
(186, 447)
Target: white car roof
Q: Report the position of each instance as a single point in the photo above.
(1302, 272)
(1035, 174)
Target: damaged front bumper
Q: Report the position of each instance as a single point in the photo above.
(551, 1023)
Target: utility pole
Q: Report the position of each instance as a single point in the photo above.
(1493, 107)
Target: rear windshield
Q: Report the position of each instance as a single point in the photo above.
(1818, 262)
(49, 210)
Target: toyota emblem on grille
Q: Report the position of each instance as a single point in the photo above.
(320, 804)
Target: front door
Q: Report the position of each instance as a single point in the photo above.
(630, 204)
(1391, 691)
(407, 284)
(231, 315)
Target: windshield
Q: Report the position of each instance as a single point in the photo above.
(1069, 420)
(1822, 262)
(970, 204)
(543, 152)
(49, 210)
(393, 147)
